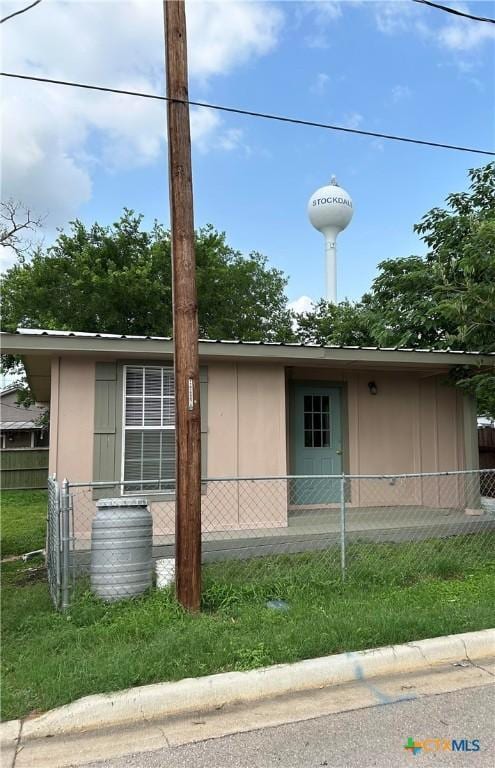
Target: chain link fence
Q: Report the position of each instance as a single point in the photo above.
(362, 529)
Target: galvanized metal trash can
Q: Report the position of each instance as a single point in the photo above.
(121, 548)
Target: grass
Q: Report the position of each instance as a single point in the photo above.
(394, 593)
(23, 521)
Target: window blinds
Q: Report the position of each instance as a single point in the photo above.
(149, 428)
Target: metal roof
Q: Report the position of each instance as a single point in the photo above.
(9, 388)
(83, 334)
(14, 425)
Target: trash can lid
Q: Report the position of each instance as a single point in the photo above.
(123, 501)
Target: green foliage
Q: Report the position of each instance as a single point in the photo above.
(444, 299)
(343, 323)
(117, 279)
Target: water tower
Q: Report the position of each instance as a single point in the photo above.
(330, 211)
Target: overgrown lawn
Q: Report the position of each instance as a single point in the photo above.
(23, 521)
(391, 596)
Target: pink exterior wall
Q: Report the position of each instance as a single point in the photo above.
(413, 424)
(72, 418)
(246, 437)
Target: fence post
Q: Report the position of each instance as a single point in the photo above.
(51, 479)
(342, 526)
(65, 542)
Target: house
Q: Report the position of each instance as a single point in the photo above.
(268, 410)
(24, 443)
(19, 426)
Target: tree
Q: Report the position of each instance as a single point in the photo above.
(117, 279)
(345, 323)
(445, 299)
(15, 221)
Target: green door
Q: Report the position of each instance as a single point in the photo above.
(316, 437)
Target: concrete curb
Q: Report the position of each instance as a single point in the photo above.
(10, 730)
(161, 700)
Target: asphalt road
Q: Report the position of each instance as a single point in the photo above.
(359, 739)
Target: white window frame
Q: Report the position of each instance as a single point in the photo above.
(142, 428)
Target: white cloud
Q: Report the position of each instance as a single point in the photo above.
(463, 35)
(321, 14)
(392, 17)
(302, 305)
(449, 32)
(224, 35)
(319, 85)
(401, 93)
(55, 138)
(327, 10)
(352, 120)
(377, 144)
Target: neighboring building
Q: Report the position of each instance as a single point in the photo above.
(486, 442)
(24, 444)
(267, 410)
(19, 427)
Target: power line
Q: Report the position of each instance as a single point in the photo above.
(455, 12)
(18, 13)
(250, 113)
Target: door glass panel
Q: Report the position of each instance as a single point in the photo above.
(316, 421)
(325, 421)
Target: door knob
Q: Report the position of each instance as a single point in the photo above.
(339, 453)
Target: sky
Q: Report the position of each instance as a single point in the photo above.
(393, 67)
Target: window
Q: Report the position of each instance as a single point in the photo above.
(316, 421)
(148, 452)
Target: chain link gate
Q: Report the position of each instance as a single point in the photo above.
(53, 545)
(59, 542)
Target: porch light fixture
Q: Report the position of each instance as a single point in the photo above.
(372, 388)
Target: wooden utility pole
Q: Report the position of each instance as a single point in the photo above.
(185, 313)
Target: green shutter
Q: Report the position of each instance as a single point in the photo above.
(105, 428)
(108, 425)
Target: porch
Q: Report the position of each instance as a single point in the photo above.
(321, 529)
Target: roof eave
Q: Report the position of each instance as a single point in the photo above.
(54, 343)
